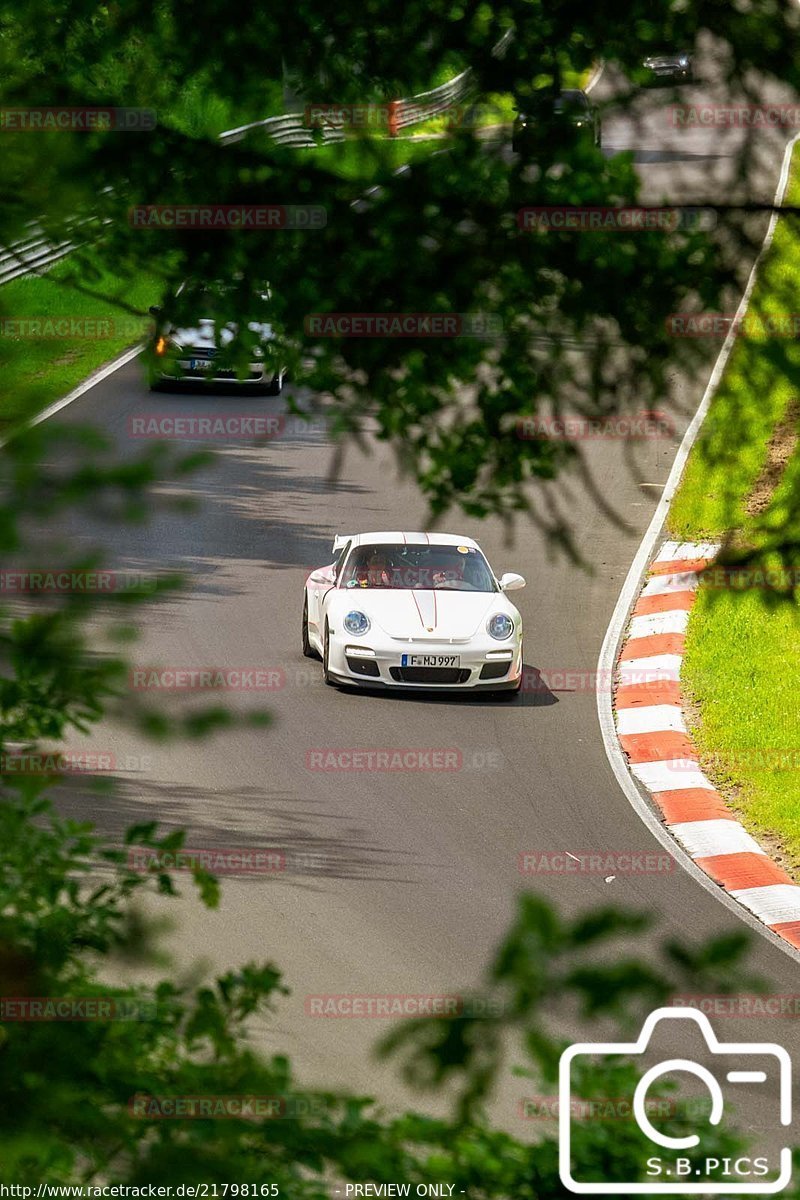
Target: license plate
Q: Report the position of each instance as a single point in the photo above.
(430, 660)
(200, 364)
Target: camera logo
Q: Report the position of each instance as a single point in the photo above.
(668, 1167)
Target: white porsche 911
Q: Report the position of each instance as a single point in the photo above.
(419, 610)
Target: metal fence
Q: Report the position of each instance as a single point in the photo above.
(32, 253)
(296, 129)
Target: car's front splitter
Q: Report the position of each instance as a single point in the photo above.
(370, 683)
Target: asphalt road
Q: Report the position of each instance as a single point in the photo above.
(404, 882)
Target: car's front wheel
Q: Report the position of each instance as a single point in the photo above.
(275, 386)
(308, 649)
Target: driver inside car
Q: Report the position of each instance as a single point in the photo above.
(475, 575)
(376, 572)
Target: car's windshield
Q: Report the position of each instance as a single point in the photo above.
(546, 106)
(570, 102)
(198, 301)
(417, 568)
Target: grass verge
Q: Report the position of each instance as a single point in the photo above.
(52, 336)
(742, 486)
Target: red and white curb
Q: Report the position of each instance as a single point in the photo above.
(652, 733)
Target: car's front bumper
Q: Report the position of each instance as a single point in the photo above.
(526, 137)
(182, 371)
(484, 664)
(670, 74)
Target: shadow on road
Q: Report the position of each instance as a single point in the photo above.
(309, 842)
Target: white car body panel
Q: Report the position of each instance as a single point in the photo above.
(202, 335)
(405, 621)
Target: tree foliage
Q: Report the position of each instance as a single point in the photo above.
(440, 237)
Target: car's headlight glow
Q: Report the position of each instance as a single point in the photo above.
(683, 61)
(356, 623)
(500, 626)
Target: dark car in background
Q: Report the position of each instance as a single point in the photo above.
(675, 67)
(195, 341)
(565, 114)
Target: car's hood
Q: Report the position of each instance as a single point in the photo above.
(203, 335)
(425, 615)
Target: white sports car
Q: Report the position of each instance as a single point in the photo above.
(421, 610)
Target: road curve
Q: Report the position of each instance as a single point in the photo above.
(401, 882)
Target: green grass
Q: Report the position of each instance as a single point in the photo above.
(752, 397)
(495, 109)
(742, 665)
(742, 668)
(365, 159)
(39, 370)
(200, 113)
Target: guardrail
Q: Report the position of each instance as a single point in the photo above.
(291, 129)
(30, 254)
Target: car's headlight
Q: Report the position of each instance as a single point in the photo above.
(500, 626)
(683, 61)
(164, 345)
(356, 623)
(258, 352)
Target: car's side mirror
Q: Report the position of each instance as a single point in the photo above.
(511, 582)
(154, 310)
(323, 575)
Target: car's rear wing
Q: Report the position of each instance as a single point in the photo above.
(340, 541)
